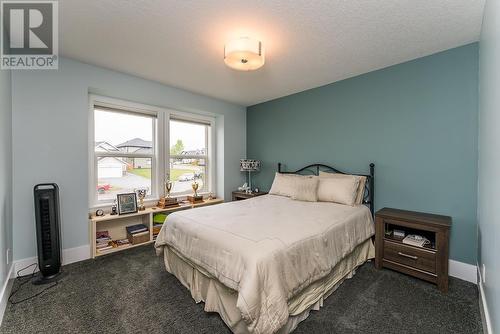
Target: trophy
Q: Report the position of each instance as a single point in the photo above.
(168, 188)
(195, 186)
(141, 194)
(195, 198)
(114, 208)
(167, 201)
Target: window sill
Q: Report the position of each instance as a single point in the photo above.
(147, 202)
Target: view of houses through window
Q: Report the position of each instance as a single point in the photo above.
(188, 155)
(125, 154)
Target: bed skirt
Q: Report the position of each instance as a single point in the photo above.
(221, 299)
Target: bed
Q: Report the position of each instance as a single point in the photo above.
(264, 263)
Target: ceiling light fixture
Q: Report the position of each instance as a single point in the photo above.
(244, 54)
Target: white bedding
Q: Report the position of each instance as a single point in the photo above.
(267, 248)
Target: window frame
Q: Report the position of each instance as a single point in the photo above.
(210, 148)
(161, 146)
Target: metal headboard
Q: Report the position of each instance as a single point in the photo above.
(369, 195)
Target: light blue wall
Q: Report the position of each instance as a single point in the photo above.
(489, 158)
(5, 175)
(416, 121)
(50, 134)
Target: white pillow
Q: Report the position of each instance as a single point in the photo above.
(306, 189)
(361, 190)
(289, 185)
(342, 190)
(361, 186)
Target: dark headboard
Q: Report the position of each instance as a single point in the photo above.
(314, 169)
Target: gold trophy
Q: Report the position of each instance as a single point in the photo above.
(195, 186)
(195, 198)
(141, 194)
(167, 201)
(168, 188)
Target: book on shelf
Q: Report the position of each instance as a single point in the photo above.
(102, 234)
(105, 248)
(122, 242)
(140, 233)
(102, 240)
(134, 229)
(102, 237)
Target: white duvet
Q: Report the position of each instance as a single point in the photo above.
(267, 248)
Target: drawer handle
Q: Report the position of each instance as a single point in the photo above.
(413, 257)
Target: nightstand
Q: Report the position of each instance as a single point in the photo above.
(429, 262)
(239, 195)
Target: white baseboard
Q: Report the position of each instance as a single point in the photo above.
(69, 255)
(483, 305)
(5, 292)
(72, 255)
(465, 271)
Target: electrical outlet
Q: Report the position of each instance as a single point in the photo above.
(483, 273)
(8, 255)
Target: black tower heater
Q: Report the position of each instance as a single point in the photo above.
(48, 236)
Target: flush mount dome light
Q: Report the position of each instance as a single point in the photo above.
(244, 54)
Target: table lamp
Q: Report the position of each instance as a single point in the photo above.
(249, 165)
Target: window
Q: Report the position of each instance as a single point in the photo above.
(189, 160)
(124, 146)
(134, 146)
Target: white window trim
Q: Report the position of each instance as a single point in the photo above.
(161, 157)
(210, 154)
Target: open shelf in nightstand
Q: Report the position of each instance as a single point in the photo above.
(429, 235)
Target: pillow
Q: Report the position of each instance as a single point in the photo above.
(282, 185)
(361, 187)
(288, 184)
(338, 188)
(361, 190)
(306, 189)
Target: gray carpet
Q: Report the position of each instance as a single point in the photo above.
(130, 292)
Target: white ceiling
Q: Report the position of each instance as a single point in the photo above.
(308, 43)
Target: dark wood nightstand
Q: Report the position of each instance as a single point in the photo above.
(239, 195)
(429, 262)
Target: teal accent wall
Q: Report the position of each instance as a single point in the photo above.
(417, 121)
(489, 160)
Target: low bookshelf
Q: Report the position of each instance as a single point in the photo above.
(116, 224)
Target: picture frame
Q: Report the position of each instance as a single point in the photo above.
(127, 203)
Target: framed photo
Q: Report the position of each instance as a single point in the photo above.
(127, 203)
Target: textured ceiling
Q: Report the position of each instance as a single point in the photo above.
(308, 43)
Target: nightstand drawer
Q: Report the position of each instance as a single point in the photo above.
(411, 256)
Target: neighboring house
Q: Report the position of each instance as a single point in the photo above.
(104, 146)
(109, 167)
(137, 145)
(199, 162)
